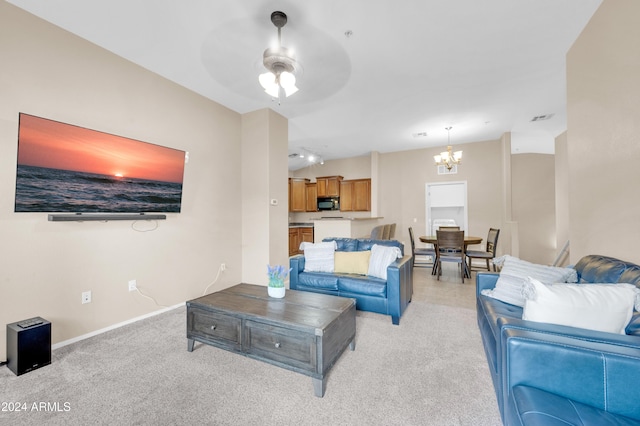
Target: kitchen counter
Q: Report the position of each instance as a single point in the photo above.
(300, 224)
(348, 227)
(345, 218)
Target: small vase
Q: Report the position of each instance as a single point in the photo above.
(277, 292)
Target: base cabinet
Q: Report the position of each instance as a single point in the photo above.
(298, 236)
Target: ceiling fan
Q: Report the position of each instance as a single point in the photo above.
(280, 64)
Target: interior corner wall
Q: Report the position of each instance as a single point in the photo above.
(603, 116)
(265, 236)
(508, 241)
(45, 266)
(533, 206)
(562, 197)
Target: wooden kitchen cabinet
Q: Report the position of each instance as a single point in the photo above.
(306, 235)
(294, 241)
(299, 235)
(298, 194)
(328, 186)
(355, 195)
(312, 197)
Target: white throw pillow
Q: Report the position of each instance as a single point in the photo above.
(600, 307)
(381, 258)
(319, 257)
(514, 273)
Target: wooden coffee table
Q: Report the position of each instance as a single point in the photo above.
(302, 332)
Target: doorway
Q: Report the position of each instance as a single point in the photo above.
(446, 205)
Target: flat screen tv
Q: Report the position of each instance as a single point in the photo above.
(64, 168)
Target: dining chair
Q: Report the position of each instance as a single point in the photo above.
(489, 253)
(450, 248)
(386, 232)
(377, 232)
(449, 228)
(392, 232)
(423, 252)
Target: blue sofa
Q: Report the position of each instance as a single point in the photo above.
(546, 374)
(390, 297)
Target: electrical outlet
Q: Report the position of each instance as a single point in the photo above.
(133, 285)
(86, 297)
(223, 267)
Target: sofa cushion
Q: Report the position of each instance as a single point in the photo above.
(343, 244)
(367, 244)
(532, 406)
(600, 307)
(599, 269)
(359, 284)
(515, 271)
(381, 258)
(319, 256)
(633, 328)
(319, 280)
(352, 262)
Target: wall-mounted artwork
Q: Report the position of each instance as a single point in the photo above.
(70, 169)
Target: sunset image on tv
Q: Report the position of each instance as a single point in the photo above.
(71, 169)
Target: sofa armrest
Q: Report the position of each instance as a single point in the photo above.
(602, 375)
(296, 263)
(485, 280)
(399, 287)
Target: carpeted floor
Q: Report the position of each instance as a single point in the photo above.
(430, 370)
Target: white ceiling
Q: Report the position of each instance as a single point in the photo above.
(483, 67)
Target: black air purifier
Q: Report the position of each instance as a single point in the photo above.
(28, 345)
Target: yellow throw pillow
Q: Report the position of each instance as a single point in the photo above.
(352, 262)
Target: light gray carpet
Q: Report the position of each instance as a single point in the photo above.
(430, 370)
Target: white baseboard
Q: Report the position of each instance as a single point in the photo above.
(114, 326)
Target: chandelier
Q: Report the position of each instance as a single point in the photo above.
(280, 77)
(448, 158)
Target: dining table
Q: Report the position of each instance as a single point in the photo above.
(468, 241)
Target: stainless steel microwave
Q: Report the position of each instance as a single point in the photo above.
(328, 203)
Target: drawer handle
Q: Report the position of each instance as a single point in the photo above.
(213, 327)
(277, 345)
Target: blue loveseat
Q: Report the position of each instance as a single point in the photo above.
(546, 374)
(390, 297)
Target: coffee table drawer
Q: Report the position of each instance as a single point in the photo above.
(216, 327)
(283, 345)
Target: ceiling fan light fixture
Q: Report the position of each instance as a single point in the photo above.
(280, 63)
(288, 83)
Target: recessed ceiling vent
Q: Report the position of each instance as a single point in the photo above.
(419, 135)
(542, 117)
(294, 155)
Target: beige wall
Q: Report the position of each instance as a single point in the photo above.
(44, 266)
(533, 206)
(562, 198)
(264, 178)
(603, 111)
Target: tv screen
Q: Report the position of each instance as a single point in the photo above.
(64, 168)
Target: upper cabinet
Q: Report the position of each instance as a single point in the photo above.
(312, 197)
(298, 194)
(328, 186)
(355, 195)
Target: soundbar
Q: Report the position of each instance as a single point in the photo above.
(104, 217)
